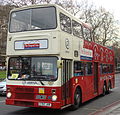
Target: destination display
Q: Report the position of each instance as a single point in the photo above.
(31, 44)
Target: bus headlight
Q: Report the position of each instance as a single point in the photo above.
(9, 94)
(54, 97)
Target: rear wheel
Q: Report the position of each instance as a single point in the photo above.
(77, 100)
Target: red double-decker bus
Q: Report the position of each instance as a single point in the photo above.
(51, 61)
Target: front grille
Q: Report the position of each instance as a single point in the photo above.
(26, 90)
(1, 87)
(27, 96)
(24, 103)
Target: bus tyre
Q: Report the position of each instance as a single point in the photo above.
(77, 100)
(104, 90)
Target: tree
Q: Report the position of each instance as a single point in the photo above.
(104, 26)
(4, 13)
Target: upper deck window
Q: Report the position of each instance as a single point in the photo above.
(42, 18)
(77, 29)
(87, 34)
(65, 23)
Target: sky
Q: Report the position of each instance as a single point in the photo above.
(111, 5)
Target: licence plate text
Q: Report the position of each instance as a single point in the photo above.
(45, 104)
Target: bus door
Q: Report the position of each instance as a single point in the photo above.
(66, 75)
(95, 77)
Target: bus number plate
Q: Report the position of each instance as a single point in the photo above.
(45, 104)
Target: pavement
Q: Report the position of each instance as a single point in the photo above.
(112, 109)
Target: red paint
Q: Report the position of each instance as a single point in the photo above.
(26, 96)
(100, 53)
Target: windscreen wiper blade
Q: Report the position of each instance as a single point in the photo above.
(41, 82)
(37, 79)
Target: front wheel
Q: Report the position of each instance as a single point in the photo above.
(77, 100)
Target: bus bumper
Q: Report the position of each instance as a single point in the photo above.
(32, 103)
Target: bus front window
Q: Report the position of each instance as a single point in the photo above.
(35, 68)
(42, 18)
(44, 68)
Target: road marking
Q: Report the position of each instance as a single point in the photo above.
(105, 108)
(91, 109)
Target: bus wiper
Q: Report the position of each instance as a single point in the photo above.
(41, 82)
(37, 79)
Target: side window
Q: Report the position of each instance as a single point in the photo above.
(77, 29)
(87, 34)
(78, 68)
(104, 68)
(107, 68)
(111, 68)
(88, 68)
(65, 23)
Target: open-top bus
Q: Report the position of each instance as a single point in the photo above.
(51, 61)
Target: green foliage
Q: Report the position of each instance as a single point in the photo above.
(2, 74)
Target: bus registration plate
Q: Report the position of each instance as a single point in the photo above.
(45, 104)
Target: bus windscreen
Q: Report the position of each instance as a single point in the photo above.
(33, 68)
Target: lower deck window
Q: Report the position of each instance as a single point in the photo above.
(78, 69)
(106, 68)
(83, 68)
(88, 68)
